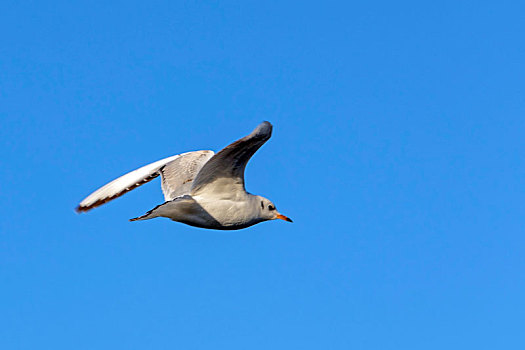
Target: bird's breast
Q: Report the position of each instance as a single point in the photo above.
(230, 214)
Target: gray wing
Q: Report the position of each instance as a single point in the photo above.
(178, 175)
(223, 174)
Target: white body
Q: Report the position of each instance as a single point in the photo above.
(208, 212)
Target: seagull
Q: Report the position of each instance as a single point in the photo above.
(200, 188)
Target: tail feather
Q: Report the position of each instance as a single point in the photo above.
(139, 218)
(151, 214)
(167, 209)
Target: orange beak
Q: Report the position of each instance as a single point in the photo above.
(285, 218)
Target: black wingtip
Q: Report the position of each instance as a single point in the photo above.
(264, 129)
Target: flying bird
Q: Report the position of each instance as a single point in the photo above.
(200, 188)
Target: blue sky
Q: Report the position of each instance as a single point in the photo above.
(398, 150)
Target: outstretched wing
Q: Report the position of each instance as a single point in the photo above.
(178, 175)
(136, 178)
(223, 174)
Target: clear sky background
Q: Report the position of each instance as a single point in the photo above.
(398, 149)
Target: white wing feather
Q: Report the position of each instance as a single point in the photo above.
(134, 179)
(178, 175)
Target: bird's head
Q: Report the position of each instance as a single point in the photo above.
(268, 211)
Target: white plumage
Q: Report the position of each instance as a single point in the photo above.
(177, 173)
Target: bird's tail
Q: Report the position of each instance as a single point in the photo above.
(153, 213)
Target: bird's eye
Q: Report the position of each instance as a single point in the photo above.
(271, 207)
